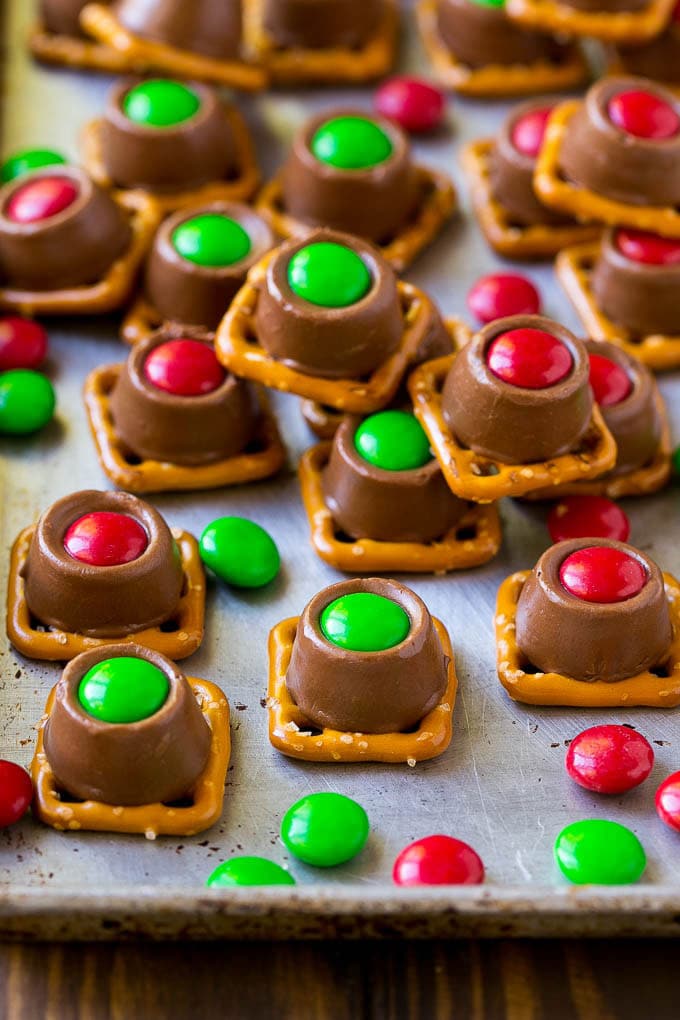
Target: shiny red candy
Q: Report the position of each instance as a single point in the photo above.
(608, 381)
(105, 539)
(649, 249)
(40, 199)
(23, 343)
(500, 294)
(602, 574)
(438, 860)
(587, 517)
(412, 103)
(16, 793)
(644, 115)
(530, 358)
(528, 131)
(609, 759)
(668, 801)
(185, 368)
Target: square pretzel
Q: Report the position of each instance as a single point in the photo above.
(574, 269)
(239, 188)
(54, 807)
(240, 351)
(264, 456)
(496, 80)
(336, 65)
(647, 689)
(608, 26)
(503, 234)
(291, 732)
(474, 540)
(176, 639)
(587, 206)
(143, 55)
(71, 51)
(482, 479)
(113, 289)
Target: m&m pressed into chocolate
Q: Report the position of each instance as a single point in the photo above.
(24, 162)
(438, 860)
(351, 143)
(184, 367)
(587, 517)
(248, 871)
(159, 103)
(602, 574)
(646, 248)
(609, 759)
(644, 115)
(16, 793)
(23, 343)
(528, 131)
(211, 240)
(364, 622)
(498, 295)
(413, 104)
(530, 358)
(105, 539)
(599, 852)
(667, 801)
(123, 690)
(325, 829)
(609, 382)
(41, 199)
(329, 275)
(393, 441)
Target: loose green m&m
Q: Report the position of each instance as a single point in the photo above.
(393, 441)
(240, 552)
(123, 690)
(211, 240)
(248, 871)
(329, 275)
(26, 402)
(351, 143)
(23, 162)
(160, 103)
(598, 852)
(490, 3)
(364, 622)
(325, 829)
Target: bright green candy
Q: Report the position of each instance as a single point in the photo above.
(123, 690)
(240, 552)
(393, 441)
(329, 275)
(160, 103)
(676, 461)
(211, 240)
(28, 159)
(598, 852)
(26, 401)
(364, 622)
(325, 829)
(351, 143)
(490, 3)
(248, 871)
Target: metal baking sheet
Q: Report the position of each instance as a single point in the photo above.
(501, 786)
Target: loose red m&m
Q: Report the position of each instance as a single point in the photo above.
(601, 574)
(609, 759)
(587, 517)
(609, 382)
(643, 115)
(16, 793)
(438, 860)
(105, 539)
(41, 198)
(528, 131)
(668, 801)
(648, 249)
(184, 367)
(23, 343)
(413, 104)
(530, 358)
(500, 294)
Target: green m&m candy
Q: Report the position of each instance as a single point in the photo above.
(325, 829)
(351, 143)
(393, 441)
(160, 103)
(490, 3)
(123, 690)
(26, 402)
(240, 552)
(211, 240)
(23, 162)
(598, 852)
(248, 871)
(329, 275)
(364, 622)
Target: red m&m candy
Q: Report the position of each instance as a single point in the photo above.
(530, 358)
(649, 249)
(528, 131)
(602, 574)
(185, 368)
(609, 759)
(668, 801)
(412, 103)
(23, 343)
(41, 198)
(16, 793)
(644, 115)
(587, 517)
(609, 382)
(438, 860)
(500, 294)
(105, 539)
